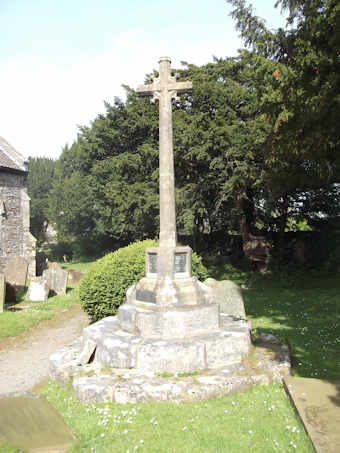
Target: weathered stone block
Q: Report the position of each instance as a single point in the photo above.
(180, 322)
(226, 347)
(172, 356)
(228, 295)
(117, 352)
(114, 348)
(87, 352)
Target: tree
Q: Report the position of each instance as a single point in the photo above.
(297, 83)
(39, 183)
(111, 168)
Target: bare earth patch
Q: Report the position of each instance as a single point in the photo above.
(24, 359)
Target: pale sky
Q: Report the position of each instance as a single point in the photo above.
(60, 59)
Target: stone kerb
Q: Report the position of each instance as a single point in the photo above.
(56, 278)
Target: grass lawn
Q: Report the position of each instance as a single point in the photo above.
(305, 312)
(259, 420)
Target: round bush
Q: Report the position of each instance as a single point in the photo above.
(103, 289)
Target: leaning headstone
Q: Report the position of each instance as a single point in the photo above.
(30, 423)
(56, 278)
(16, 271)
(38, 289)
(2, 292)
(74, 276)
(229, 297)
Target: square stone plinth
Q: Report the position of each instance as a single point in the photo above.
(175, 323)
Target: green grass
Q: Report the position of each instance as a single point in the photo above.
(308, 319)
(82, 266)
(14, 323)
(260, 420)
(7, 448)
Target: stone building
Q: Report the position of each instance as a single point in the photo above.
(15, 237)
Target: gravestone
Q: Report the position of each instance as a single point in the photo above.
(74, 276)
(56, 278)
(2, 292)
(38, 289)
(30, 423)
(229, 297)
(16, 271)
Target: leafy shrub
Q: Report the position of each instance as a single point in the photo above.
(103, 289)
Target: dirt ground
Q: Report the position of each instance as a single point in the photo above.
(24, 359)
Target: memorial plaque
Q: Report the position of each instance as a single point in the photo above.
(153, 263)
(180, 262)
(145, 295)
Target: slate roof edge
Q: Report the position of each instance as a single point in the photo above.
(18, 159)
(12, 170)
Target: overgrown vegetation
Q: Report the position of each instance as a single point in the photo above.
(103, 290)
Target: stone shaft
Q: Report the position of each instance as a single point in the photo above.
(164, 88)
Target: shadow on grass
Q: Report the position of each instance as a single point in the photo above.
(308, 319)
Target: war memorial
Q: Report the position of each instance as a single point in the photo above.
(171, 323)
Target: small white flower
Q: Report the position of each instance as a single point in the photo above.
(102, 435)
(184, 428)
(141, 441)
(226, 411)
(250, 431)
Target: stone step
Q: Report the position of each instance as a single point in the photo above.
(116, 348)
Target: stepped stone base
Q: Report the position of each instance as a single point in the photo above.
(267, 362)
(117, 348)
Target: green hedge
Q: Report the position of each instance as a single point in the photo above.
(103, 289)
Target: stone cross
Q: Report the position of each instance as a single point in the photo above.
(165, 88)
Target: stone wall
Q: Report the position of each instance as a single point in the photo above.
(15, 237)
